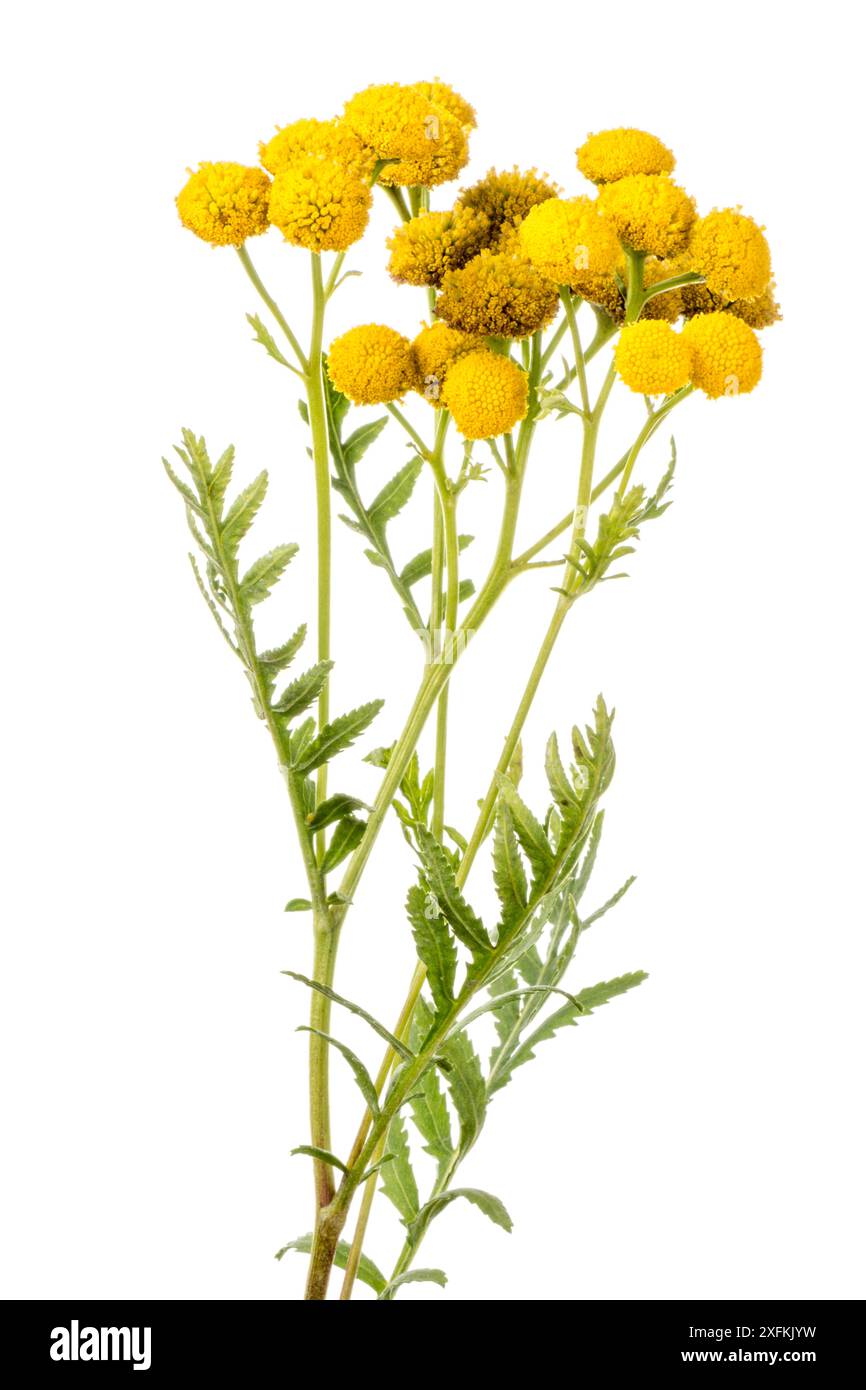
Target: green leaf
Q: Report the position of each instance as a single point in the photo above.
(324, 1156)
(560, 787)
(241, 514)
(421, 565)
(581, 879)
(221, 477)
(466, 1084)
(439, 874)
(362, 1076)
(368, 1273)
(186, 492)
(414, 1276)
(359, 442)
(336, 807)
(278, 659)
(338, 735)
(485, 1201)
(398, 1179)
(211, 605)
(400, 1048)
(465, 590)
(394, 496)
(509, 876)
(429, 1110)
(298, 905)
(505, 999)
(263, 573)
(505, 1006)
(534, 841)
(611, 902)
(263, 336)
(583, 1005)
(346, 838)
(300, 694)
(434, 944)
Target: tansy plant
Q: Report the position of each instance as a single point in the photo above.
(510, 269)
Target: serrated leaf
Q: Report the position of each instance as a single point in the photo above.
(186, 492)
(398, 1180)
(346, 838)
(400, 1048)
(413, 1276)
(241, 514)
(368, 1273)
(560, 788)
(338, 735)
(584, 1004)
(467, 927)
(299, 740)
(434, 944)
(466, 1085)
(394, 495)
(221, 477)
(263, 573)
(429, 1110)
(361, 1074)
(211, 605)
(278, 659)
(485, 1201)
(336, 807)
(509, 875)
(359, 442)
(530, 833)
(264, 336)
(300, 694)
(323, 1155)
(605, 907)
(505, 1006)
(421, 565)
(581, 879)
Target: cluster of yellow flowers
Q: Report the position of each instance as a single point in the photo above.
(497, 261)
(319, 193)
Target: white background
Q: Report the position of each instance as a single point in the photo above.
(703, 1136)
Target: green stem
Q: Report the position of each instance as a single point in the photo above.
(649, 428)
(244, 257)
(321, 466)
(579, 358)
(326, 932)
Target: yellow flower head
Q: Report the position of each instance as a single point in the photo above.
(434, 242)
(332, 139)
(505, 199)
(614, 154)
(650, 213)
(757, 313)
(498, 296)
(225, 203)
(442, 95)
(437, 347)
(604, 292)
(569, 242)
(319, 204)
(372, 364)
(731, 252)
(652, 359)
(726, 354)
(402, 124)
(487, 394)
(669, 304)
